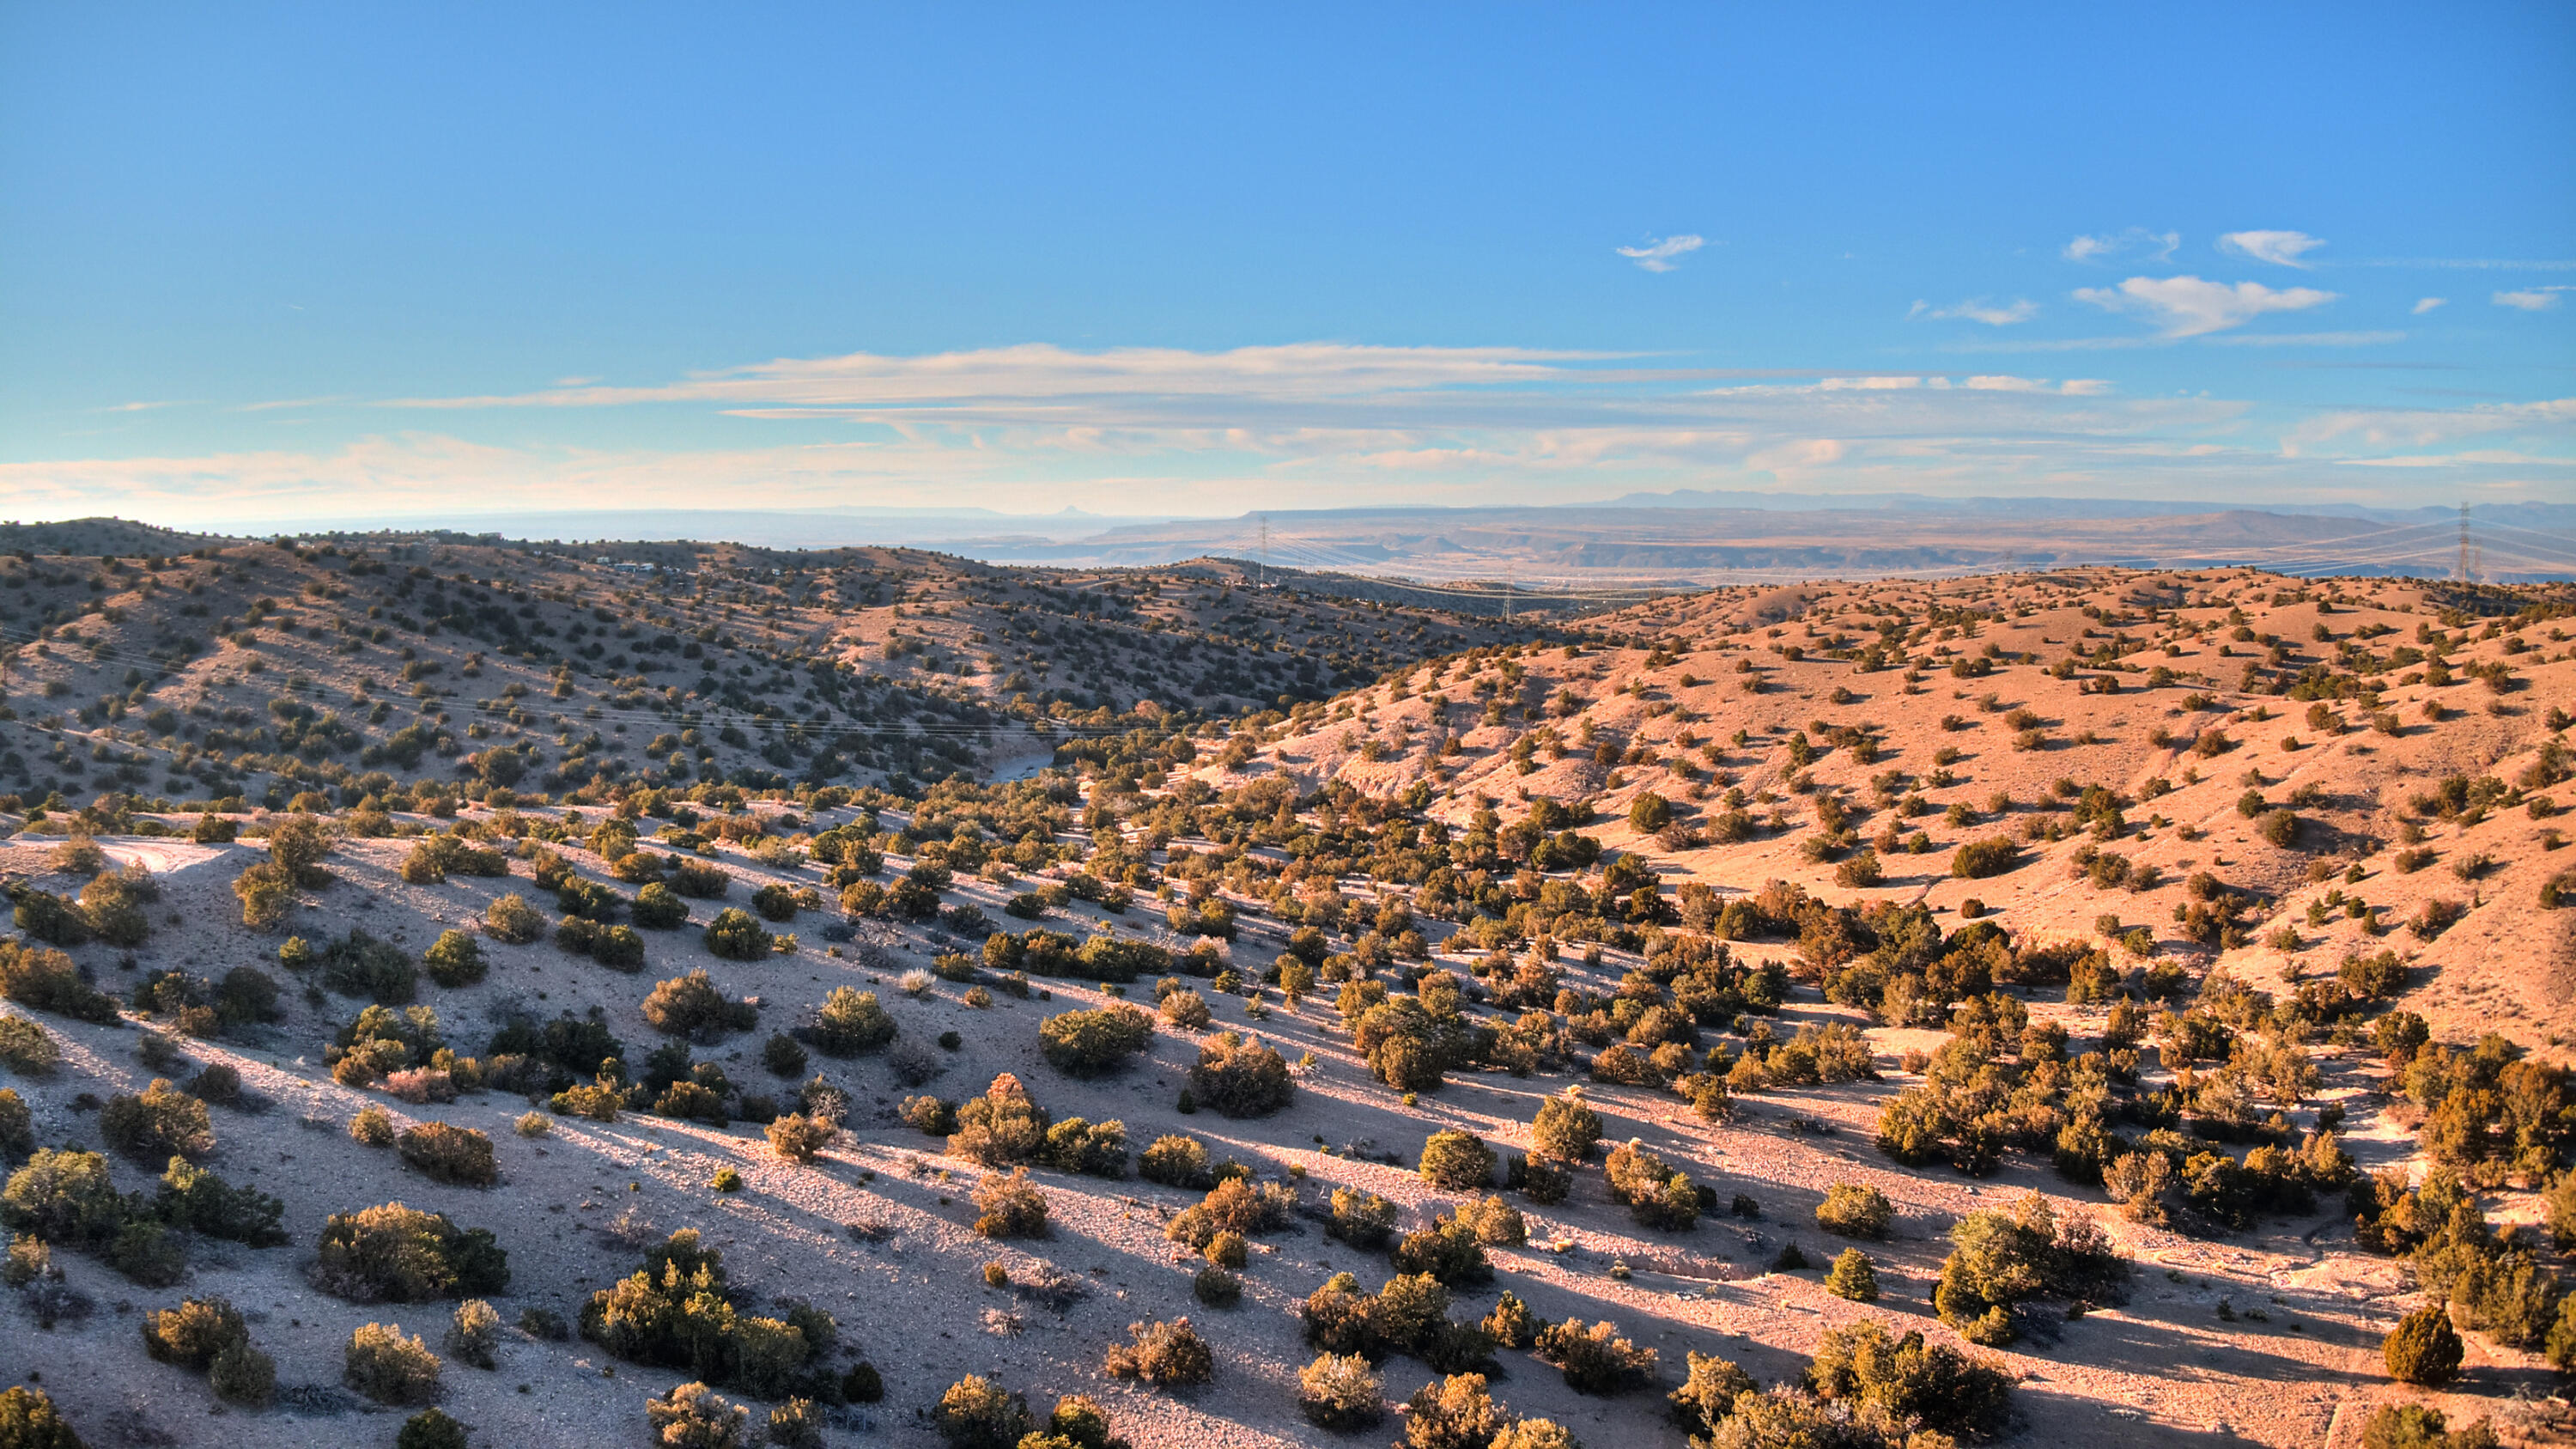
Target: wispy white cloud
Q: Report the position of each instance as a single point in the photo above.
(2190, 307)
(1037, 428)
(1165, 430)
(2532, 299)
(1798, 456)
(2475, 457)
(2155, 246)
(2280, 248)
(2427, 304)
(144, 407)
(2471, 264)
(279, 404)
(2304, 339)
(1979, 309)
(1034, 375)
(2553, 418)
(2072, 387)
(1659, 255)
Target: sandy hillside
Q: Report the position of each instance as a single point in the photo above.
(1412, 879)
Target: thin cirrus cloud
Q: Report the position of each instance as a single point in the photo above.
(2137, 241)
(2427, 304)
(2532, 299)
(1056, 380)
(2191, 307)
(2548, 420)
(1660, 255)
(1208, 432)
(2280, 248)
(1979, 309)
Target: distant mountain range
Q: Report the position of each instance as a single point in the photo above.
(1651, 540)
(2527, 515)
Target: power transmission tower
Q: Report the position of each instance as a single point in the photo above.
(2460, 571)
(1265, 553)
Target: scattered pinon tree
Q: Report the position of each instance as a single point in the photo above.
(1595, 1359)
(2423, 1348)
(2416, 1426)
(1567, 1128)
(455, 959)
(678, 1311)
(1456, 1161)
(1008, 1205)
(474, 1334)
(1079, 1423)
(1654, 1192)
(1233, 1206)
(977, 1413)
(737, 935)
(1166, 1355)
(48, 980)
(28, 1420)
(693, 1416)
(1853, 1276)
(1241, 1077)
(208, 1336)
(1094, 1043)
(1361, 1218)
(431, 1428)
(1511, 1324)
(800, 1138)
(442, 1152)
(397, 1254)
(511, 919)
(1855, 1210)
(2000, 1261)
(1339, 1392)
(690, 1006)
(389, 1368)
(1455, 1411)
(849, 1022)
(158, 1122)
(1002, 1127)
(1175, 1160)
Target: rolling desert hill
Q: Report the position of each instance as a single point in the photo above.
(246, 668)
(1859, 1013)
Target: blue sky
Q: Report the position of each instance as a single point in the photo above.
(260, 264)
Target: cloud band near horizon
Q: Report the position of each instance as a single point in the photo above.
(1037, 427)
